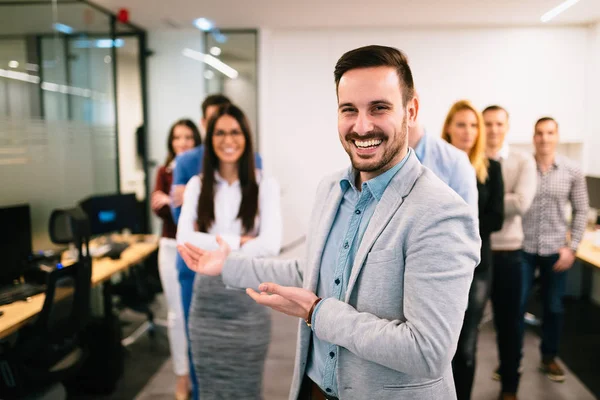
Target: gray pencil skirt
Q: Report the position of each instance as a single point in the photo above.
(229, 339)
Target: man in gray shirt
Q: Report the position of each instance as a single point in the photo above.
(518, 173)
(546, 245)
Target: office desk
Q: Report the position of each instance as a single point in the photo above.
(19, 313)
(587, 251)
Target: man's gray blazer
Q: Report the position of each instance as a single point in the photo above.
(398, 325)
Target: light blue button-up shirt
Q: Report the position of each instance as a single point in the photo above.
(451, 165)
(349, 225)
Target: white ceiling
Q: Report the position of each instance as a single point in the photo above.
(157, 14)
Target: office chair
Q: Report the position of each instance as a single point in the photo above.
(50, 350)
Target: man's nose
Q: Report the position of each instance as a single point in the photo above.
(363, 124)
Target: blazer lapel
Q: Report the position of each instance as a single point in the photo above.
(324, 224)
(393, 197)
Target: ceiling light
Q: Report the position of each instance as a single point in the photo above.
(66, 29)
(218, 36)
(203, 24)
(13, 64)
(215, 51)
(19, 76)
(212, 61)
(558, 9)
(209, 74)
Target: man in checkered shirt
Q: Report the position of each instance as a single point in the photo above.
(546, 245)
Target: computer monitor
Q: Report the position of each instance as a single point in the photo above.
(15, 241)
(112, 213)
(593, 187)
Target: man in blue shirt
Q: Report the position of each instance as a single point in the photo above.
(188, 165)
(451, 165)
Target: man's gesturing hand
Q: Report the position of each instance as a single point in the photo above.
(205, 262)
(292, 301)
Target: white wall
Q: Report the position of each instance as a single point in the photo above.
(175, 87)
(531, 72)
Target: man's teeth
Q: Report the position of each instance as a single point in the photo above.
(368, 143)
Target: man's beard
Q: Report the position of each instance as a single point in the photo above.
(393, 148)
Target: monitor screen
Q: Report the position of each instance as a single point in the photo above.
(112, 213)
(15, 241)
(593, 187)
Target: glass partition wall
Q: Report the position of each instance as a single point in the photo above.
(71, 103)
(233, 69)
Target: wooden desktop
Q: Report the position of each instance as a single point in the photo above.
(20, 313)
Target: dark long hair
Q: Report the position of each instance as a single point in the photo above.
(195, 132)
(206, 204)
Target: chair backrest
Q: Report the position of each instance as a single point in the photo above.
(50, 349)
(68, 226)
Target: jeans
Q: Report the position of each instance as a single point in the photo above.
(463, 364)
(553, 285)
(186, 281)
(507, 278)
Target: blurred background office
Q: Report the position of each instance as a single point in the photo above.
(89, 89)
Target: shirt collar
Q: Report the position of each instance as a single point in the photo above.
(219, 180)
(555, 164)
(504, 152)
(376, 185)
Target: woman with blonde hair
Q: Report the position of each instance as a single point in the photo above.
(464, 129)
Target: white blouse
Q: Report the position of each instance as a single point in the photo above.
(267, 228)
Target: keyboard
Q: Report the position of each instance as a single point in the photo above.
(10, 294)
(116, 248)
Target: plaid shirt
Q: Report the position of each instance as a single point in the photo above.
(545, 224)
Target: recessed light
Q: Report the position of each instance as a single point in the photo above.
(558, 9)
(66, 29)
(215, 51)
(212, 61)
(13, 64)
(203, 24)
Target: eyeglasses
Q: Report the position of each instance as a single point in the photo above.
(234, 134)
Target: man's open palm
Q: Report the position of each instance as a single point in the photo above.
(205, 262)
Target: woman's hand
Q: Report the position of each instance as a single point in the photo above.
(159, 200)
(245, 239)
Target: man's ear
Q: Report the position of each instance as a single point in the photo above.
(412, 111)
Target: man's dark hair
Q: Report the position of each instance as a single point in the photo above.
(377, 56)
(495, 108)
(544, 119)
(214, 100)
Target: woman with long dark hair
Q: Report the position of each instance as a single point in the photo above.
(183, 136)
(229, 332)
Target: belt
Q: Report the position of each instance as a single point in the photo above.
(316, 393)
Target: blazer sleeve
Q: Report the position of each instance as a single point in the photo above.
(440, 256)
(491, 216)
